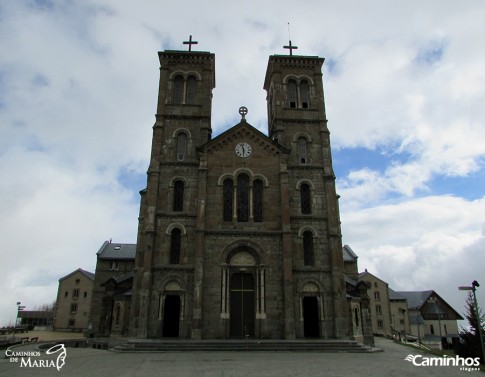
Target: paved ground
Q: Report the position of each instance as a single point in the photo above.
(84, 362)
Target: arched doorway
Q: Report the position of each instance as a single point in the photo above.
(242, 313)
(311, 326)
(171, 316)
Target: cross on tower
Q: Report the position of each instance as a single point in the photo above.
(291, 48)
(190, 43)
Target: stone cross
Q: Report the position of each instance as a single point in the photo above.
(291, 48)
(190, 43)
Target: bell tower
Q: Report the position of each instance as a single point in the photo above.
(168, 204)
(297, 120)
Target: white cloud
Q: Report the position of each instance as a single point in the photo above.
(78, 86)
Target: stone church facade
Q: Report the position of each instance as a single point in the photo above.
(239, 235)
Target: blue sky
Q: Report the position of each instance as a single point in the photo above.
(404, 90)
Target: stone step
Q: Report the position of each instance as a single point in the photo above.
(235, 345)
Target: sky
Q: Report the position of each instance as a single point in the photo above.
(404, 88)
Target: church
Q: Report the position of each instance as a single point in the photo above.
(239, 235)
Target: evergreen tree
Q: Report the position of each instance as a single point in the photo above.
(469, 337)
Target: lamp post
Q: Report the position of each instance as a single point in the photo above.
(473, 288)
(437, 310)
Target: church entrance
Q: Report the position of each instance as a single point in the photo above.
(242, 305)
(171, 316)
(311, 328)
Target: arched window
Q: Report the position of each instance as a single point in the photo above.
(308, 256)
(306, 200)
(302, 150)
(356, 314)
(175, 242)
(228, 192)
(178, 196)
(191, 89)
(181, 146)
(304, 94)
(292, 96)
(178, 90)
(258, 200)
(243, 198)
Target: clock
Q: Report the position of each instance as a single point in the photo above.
(243, 150)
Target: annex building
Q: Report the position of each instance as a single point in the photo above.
(239, 235)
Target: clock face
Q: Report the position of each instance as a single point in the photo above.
(243, 150)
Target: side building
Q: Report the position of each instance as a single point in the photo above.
(110, 305)
(432, 319)
(73, 302)
(379, 304)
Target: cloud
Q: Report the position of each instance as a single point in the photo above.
(78, 87)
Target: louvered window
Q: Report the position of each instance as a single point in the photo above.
(178, 90)
(292, 96)
(302, 150)
(304, 94)
(181, 146)
(191, 89)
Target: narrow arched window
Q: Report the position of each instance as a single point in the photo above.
(175, 242)
(228, 193)
(302, 150)
(117, 315)
(304, 94)
(292, 96)
(258, 200)
(356, 314)
(178, 196)
(243, 198)
(178, 90)
(308, 257)
(306, 200)
(191, 89)
(181, 146)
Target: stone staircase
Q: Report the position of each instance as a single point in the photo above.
(303, 345)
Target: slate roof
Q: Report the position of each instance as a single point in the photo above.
(117, 251)
(88, 274)
(416, 299)
(393, 295)
(348, 254)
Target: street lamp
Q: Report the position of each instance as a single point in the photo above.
(438, 311)
(473, 288)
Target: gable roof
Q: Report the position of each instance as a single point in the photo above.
(395, 296)
(348, 254)
(416, 299)
(88, 274)
(240, 130)
(367, 273)
(117, 251)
